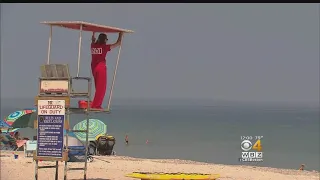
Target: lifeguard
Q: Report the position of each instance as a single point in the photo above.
(99, 50)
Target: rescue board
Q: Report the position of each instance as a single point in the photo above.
(172, 176)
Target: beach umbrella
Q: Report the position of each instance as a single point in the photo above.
(22, 114)
(4, 124)
(33, 109)
(5, 128)
(9, 130)
(96, 127)
(26, 120)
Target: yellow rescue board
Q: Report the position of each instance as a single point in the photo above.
(173, 176)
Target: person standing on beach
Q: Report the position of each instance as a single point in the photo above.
(99, 50)
(126, 139)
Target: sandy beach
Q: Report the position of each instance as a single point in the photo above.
(116, 167)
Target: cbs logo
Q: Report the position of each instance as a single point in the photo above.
(246, 145)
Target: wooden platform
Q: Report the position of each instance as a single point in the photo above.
(91, 110)
(55, 71)
(52, 94)
(80, 94)
(72, 94)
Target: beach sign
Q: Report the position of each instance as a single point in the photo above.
(51, 117)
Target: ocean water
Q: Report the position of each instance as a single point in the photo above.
(210, 133)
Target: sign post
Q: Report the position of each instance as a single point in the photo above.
(51, 117)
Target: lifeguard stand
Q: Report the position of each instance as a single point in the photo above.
(55, 83)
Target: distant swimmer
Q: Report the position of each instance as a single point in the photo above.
(126, 140)
(302, 167)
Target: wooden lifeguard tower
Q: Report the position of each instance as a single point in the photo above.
(55, 84)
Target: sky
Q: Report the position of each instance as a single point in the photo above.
(234, 52)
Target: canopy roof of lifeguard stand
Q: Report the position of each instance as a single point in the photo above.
(86, 26)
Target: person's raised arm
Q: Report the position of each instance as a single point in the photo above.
(93, 39)
(118, 41)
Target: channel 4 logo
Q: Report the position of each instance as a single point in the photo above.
(252, 151)
(251, 157)
(246, 145)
